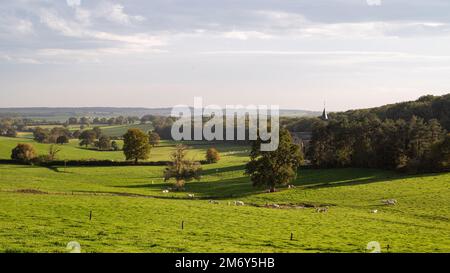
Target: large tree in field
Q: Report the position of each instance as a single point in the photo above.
(277, 167)
(87, 138)
(181, 169)
(154, 138)
(136, 145)
(103, 143)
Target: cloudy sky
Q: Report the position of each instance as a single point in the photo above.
(152, 53)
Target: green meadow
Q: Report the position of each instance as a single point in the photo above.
(42, 209)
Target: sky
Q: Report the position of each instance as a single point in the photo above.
(297, 54)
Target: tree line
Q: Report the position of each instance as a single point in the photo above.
(368, 141)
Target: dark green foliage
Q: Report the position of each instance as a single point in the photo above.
(104, 143)
(438, 158)
(87, 138)
(98, 132)
(114, 146)
(367, 141)
(426, 107)
(62, 140)
(274, 168)
(41, 135)
(136, 145)
(154, 139)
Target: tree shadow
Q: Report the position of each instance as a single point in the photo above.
(228, 188)
(307, 179)
(214, 171)
(328, 178)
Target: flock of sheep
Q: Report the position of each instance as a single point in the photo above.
(387, 202)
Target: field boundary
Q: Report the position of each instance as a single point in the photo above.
(90, 163)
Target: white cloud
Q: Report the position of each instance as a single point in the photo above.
(73, 3)
(24, 26)
(72, 29)
(116, 13)
(373, 2)
(245, 35)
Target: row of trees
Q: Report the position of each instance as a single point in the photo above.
(426, 107)
(58, 135)
(368, 141)
(25, 152)
(8, 127)
(120, 120)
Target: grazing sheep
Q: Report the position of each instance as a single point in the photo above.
(275, 206)
(390, 202)
(374, 211)
(291, 187)
(322, 210)
(239, 203)
(165, 191)
(191, 195)
(214, 202)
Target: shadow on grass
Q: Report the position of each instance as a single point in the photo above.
(213, 171)
(229, 188)
(307, 179)
(327, 178)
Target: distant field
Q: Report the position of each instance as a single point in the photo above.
(73, 151)
(132, 214)
(112, 131)
(120, 130)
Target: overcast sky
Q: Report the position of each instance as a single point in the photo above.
(152, 53)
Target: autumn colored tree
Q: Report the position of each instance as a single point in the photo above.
(212, 155)
(24, 152)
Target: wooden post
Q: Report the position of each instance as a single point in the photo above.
(182, 225)
(292, 236)
(90, 216)
(388, 247)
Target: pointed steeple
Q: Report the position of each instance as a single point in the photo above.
(324, 114)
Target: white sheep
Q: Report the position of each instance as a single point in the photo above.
(239, 203)
(165, 191)
(320, 210)
(191, 195)
(213, 202)
(390, 202)
(374, 211)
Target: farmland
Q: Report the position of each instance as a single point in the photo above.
(42, 209)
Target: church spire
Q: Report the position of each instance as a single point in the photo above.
(324, 114)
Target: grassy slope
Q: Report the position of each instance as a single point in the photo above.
(46, 223)
(120, 130)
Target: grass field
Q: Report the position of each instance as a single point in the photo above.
(73, 151)
(111, 131)
(120, 130)
(42, 209)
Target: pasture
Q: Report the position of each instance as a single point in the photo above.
(43, 209)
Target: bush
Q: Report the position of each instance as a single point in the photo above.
(115, 146)
(212, 155)
(24, 152)
(62, 140)
(104, 143)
